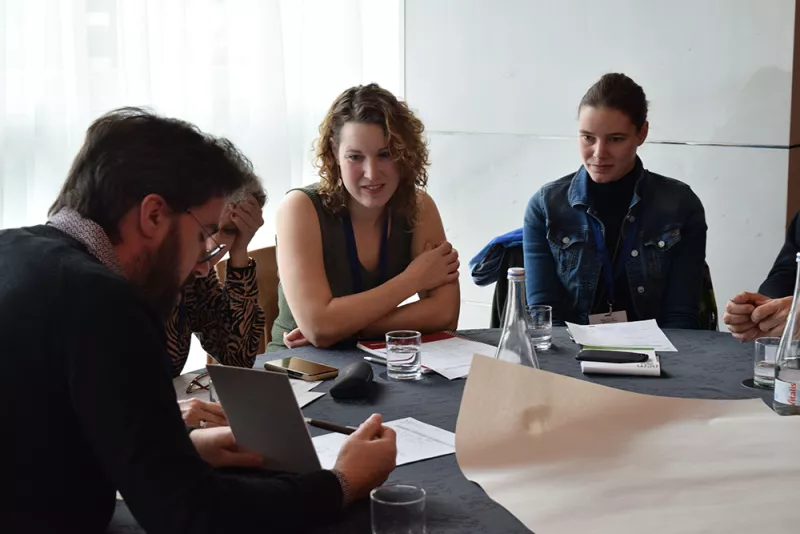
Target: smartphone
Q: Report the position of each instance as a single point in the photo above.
(302, 369)
(610, 356)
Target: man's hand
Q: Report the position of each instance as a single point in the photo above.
(217, 446)
(367, 458)
(195, 411)
(771, 316)
(738, 315)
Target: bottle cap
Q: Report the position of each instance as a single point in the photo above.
(516, 273)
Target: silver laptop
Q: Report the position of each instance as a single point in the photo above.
(265, 417)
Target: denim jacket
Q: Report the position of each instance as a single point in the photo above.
(664, 269)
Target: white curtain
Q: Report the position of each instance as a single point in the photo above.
(260, 72)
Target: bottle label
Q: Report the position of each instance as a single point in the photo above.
(786, 393)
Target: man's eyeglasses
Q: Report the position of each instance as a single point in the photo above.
(213, 252)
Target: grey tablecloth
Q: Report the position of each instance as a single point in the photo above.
(709, 365)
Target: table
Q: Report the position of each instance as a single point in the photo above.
(709, 365)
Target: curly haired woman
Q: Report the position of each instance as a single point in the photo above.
(364, 239)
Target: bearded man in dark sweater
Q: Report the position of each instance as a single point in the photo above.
(90, 406)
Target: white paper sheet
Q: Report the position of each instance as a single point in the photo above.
(452, 357)
(302, 391)
(416, 441)
(633, 335)
(301, 388)
(652, 367)
(564, 456)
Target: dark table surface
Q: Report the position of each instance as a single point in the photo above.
(708, 365)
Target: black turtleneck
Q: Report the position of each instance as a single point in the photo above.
(611, 203)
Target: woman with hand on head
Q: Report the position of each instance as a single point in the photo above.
(226, 317)
(615, 241)
(366, 237)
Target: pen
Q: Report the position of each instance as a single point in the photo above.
(324, 425)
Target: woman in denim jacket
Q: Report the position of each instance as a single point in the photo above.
(613, 236)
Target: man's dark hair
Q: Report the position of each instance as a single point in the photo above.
(130, 153)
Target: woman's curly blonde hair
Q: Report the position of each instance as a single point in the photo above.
(371, 104)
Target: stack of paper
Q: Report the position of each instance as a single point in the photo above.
(633, 335)
(638, 336)
(302, 391)
(416, 441)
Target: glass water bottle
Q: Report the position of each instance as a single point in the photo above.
(515, 343)
(787, 360)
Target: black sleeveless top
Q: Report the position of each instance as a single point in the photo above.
(337, 266)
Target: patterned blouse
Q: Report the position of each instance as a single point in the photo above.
(227, 319)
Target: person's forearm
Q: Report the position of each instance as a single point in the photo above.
(683, 290)
(426, 316)
(343, 317)
(542, 284)
(779, 283)
(681, 307)
(239, 259)
(142, 446)
(243, 501)
(229, 321)
(241, 347)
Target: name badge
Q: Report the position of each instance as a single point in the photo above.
(609, 318)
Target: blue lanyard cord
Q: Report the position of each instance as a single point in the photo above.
(602, 252)
(352, 254)
(609, 271)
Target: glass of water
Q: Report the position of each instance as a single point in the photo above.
(404, 355)
(540, 326)
(764, 361)
(398, 509)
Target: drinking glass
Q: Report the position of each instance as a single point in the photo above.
(404, 355)
(540, 326)
(764, 361)
(398, 509)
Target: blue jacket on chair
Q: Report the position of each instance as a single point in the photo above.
(664, 269)
(486, 266)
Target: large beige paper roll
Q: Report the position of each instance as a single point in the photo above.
(567, 456)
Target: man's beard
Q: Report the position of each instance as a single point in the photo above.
(157, 279)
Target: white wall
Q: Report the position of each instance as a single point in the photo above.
(498, 83)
